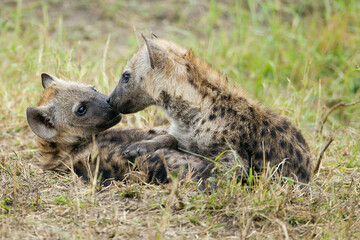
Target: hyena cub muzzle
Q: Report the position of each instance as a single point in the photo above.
(208, 116)
(72, 122)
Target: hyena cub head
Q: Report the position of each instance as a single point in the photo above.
(68, 111)
(156, 67)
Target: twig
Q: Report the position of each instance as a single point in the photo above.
(168, 174)
(340, 104)
(316, 170)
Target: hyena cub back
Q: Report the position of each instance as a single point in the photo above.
(71, 123)
(206, 113)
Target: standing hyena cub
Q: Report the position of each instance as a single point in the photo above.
(207, 115)
(71, 122)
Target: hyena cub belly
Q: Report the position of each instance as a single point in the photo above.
(71, 123)
(208, 116)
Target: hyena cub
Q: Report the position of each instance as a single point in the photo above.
(207, 114)
(71, 122)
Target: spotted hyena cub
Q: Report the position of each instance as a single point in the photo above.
(208, 116)
(71, 123)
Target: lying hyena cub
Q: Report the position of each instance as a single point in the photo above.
(70, 115)
(207, 114)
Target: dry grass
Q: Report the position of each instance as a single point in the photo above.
(299, 58)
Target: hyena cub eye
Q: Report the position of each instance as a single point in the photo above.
(125, 77)
(81, 110)
(95, 90)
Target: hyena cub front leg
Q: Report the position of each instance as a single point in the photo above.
(147, 146)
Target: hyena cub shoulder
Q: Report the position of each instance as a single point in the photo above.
(71, 122)
(206, 113)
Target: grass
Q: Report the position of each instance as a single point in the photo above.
(298, 57)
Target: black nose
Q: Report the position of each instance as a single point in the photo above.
(108, 100)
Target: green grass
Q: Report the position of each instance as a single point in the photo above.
(298, 57)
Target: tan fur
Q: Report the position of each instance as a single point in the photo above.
(79, 143)
(209, 116)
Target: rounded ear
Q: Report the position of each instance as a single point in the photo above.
(40, 122)
(47, 80)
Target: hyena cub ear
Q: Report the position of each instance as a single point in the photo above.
(41, 122)
(153, 50)
(47, 80)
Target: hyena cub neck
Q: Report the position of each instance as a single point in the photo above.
(71, 123)
(206, 113)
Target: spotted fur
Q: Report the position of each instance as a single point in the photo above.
(208, 116)
(67, 140)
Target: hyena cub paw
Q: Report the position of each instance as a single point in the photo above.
(140, 148)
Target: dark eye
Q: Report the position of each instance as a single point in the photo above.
(81, 110)
(125, 77)
(95, 89)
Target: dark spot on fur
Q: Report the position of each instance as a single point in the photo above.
(214, 145)
(232, 127)
(251, 109)
(53, 145)
(263, 132)
(299, 156)
(266, 123)
(165, 98)
(212, 117)
(242, 118)
(115, 140)
(55, 154)
(302, 174)
(203, 121)
(308, 161)
(197, 131)
(116, 168)
(234, 141)
(282, 143)
(285, 124)
(268, 155)
(222, 114)
(254, 144)
(151, 131)
(106, 174)
(246, 146)
(244, 135)
(109, 157)
(254, 127)
(240, 127)
(194, 146)
(273, 133)
(291, 149)
(188, 67)
(279, 128)
(299, 137)
(208, 129)
(214, 152)
(215, 109)
(225, 132)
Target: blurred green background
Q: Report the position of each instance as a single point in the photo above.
(298, 57)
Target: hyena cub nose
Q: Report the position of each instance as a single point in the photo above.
(108, 101)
